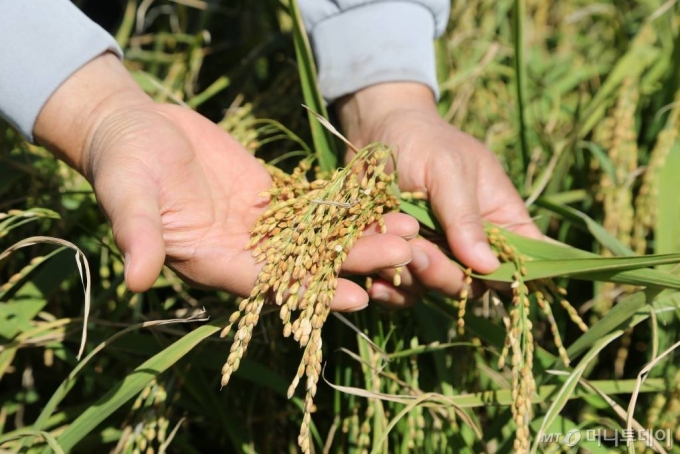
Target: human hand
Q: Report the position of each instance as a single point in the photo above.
(179, 190)
(463, 180)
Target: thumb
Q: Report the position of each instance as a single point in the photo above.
(455, 203)
(137, 230)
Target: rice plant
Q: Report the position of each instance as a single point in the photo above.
(578, 100)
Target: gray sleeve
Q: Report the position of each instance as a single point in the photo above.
(358, 43)
(42, 42)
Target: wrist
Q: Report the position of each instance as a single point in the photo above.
(361, 112)
(68, 119)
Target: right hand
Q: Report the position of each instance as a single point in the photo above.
(463, 180)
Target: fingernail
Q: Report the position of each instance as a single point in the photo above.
(359, 308)
(420, 259)
(403, 263)
(483, 253)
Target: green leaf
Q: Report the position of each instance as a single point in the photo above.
(324, 143)
(569, 386)
(552, 250)
(605, 238)
(617, 318)
(16, 315)
(519, 64)
(48, 437)
(423, 214)
(667, 228)
(132, 384)
(631, 65)
(600, 268)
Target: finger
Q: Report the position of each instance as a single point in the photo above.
(514, 216)
(419, 268)
(527, 229)
(242, 274)
(237, 273)
(407, 280)
(375, 252)
(524, 226)
(434, 270)
(455, 203)
(388, 295)
(137, 230)
(349, 297)
(399, 224)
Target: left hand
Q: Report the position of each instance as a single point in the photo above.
(463, 180)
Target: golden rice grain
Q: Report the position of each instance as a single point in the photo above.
(303, 238)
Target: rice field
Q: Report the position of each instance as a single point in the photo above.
(581, 103)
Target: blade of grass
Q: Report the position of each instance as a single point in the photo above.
(553, 250)
(640, 55)
(125, 29)
(423, 214)
(503, 397)
(520, 82)
(48, 437)
(605, 238)
(666, 237)
(134, 383)
(70, 381)
(220, 84)
(569, 386)
(587, 268)
(323, 140)
(83, 268)
(615, 318)
(640, 379)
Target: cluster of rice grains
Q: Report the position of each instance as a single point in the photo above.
(146, 429)
(303, 239)
(519, 339)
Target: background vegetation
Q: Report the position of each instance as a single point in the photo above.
(581, 102)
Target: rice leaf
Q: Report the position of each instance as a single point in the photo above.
(666, 235)
(133, 383)
(48, 437)
(600, 268)
(618, 317)
(324, 143)
(569, 386)
(83, 270)
(519, 64)
(605, 238)
(632, 64)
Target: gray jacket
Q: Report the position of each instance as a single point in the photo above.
(357, 43)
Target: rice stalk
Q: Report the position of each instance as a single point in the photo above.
(241, 124)
(146, 427)
(617, 135)
(646, 204)
(622, 151)
(519, 341)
